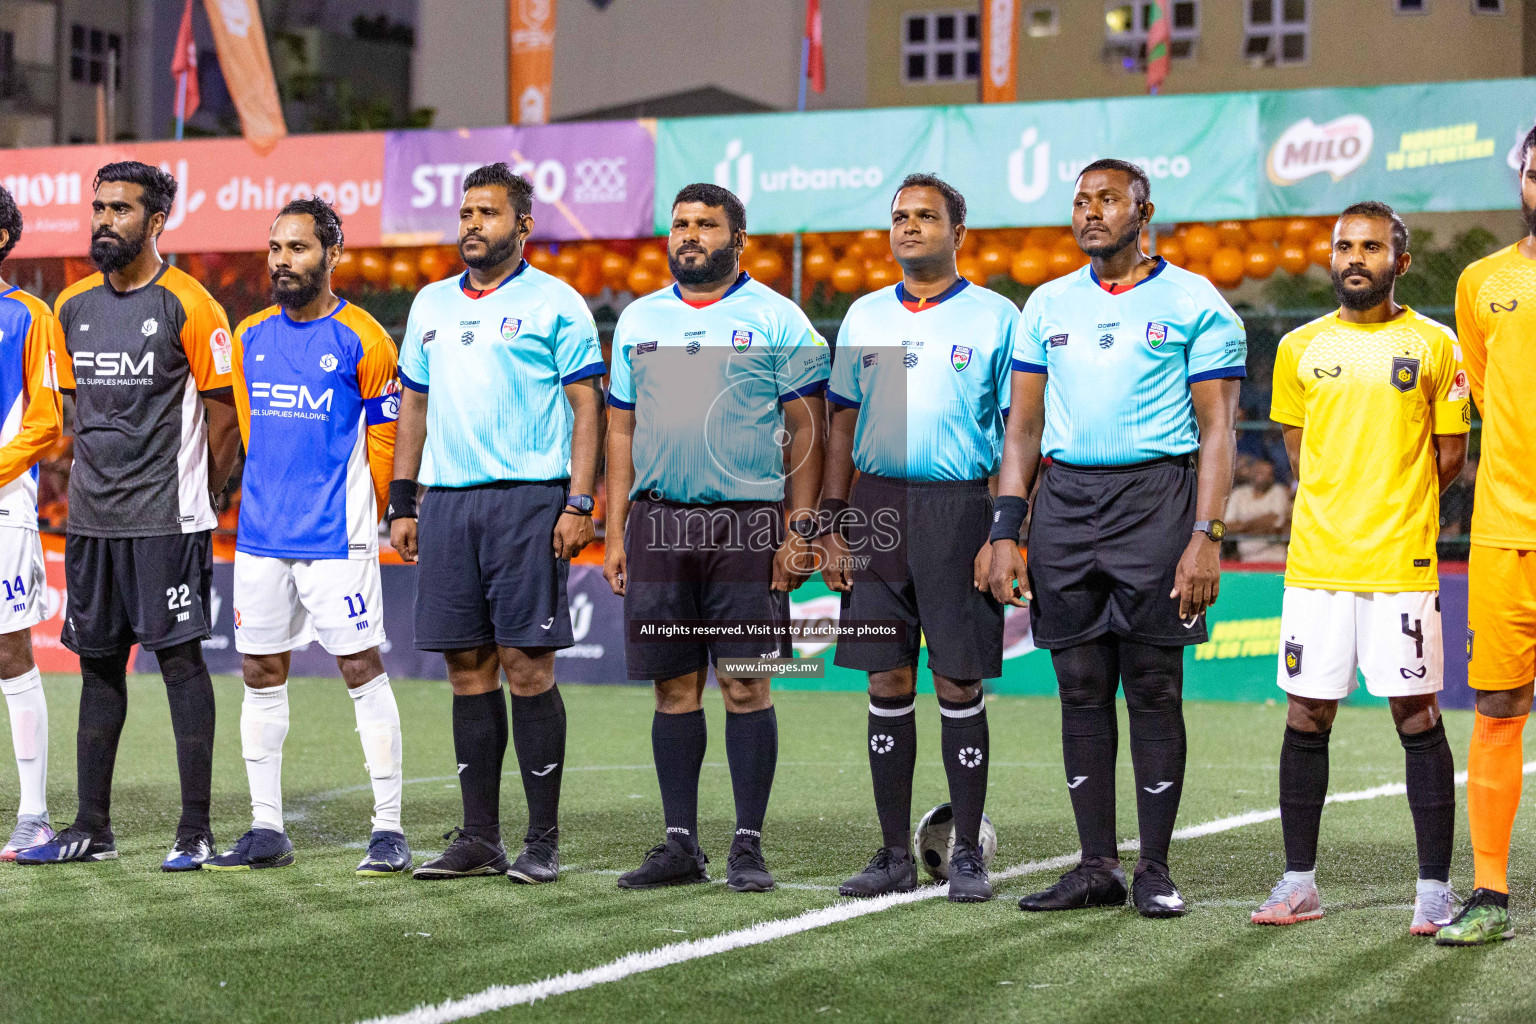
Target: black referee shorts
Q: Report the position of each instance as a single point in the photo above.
(913, 545)
(1104, 546)
(486, 567)
(704, 568)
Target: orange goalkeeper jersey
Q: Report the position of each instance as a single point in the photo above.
(1496, 323)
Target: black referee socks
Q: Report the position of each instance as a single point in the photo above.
(752, 749)
(538, 736)
(480, 744)
(189, 690)
(892, 758)
(966, 743)
(1088, 676)
(677, 743)
(1432, 798)
(1153, 679)
(1303, 789)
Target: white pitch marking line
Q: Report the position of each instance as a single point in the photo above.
(501, 997)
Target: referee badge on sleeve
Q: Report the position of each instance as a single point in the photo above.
(1292, 659)
(1405, 373)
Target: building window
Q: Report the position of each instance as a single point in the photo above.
(1042, 20)
(88, 55)
(1125, 31)
(941, 46)
(1411, 6)
(1277, 31)
(1487, 6)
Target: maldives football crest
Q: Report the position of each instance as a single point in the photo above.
(1157, 334)
(959, 357)
(741, 340)
(509, 328)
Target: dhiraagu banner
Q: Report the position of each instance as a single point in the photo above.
(1432, 147)
(1017, 163)
(830, 171)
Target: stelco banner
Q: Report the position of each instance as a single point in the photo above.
(590, 179)
(226, 197)
(1453, 146)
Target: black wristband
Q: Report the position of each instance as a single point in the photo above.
(1008, 514)
(832, 516)
(402, 500)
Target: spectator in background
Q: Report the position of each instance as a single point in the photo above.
(1258, 505)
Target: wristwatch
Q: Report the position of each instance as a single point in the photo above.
(582, 503)
(1212, 528)
(806, 526)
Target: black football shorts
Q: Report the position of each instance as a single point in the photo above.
(151, 591)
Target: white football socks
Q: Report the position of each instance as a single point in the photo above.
(29, 736)
(263, 727)
(378, 725)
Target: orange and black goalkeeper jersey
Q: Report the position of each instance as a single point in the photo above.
(140, 363)
(1496, 321)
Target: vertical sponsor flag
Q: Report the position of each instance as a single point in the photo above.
(999, 50)
(530, 60)
(241, 41)
(184, 70)
(1157, 46)
(816, 64)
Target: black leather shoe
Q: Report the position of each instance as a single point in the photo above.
(1087, 885)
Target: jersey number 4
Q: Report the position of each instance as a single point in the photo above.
(1416, 631)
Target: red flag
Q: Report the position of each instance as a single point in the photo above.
(185, 63)
(816, 66)
(1157, 46)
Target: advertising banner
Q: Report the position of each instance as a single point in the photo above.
(226, 198)
(1017, 163)
(241, 41)
(591, 179)
(831, 171)
(1432, 147)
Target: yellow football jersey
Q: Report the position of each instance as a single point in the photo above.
(1369, 399)
(1496, 317)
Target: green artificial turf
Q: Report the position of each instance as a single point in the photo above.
(122, 941)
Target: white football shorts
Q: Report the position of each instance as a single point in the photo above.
(284, 603)
(24, 583)
(1394, 640)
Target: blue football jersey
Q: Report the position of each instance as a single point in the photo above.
(1119, 366)
(318, 403)
(931, 384)
(495, 370)
(708, 385)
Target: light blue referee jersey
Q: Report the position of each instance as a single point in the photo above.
(931, 384)
(708, 385)
(495, 369)
(1119, 366)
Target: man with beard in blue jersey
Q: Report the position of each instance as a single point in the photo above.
(1126, 379)
(501, 418)
(713, 379)
(919, 390)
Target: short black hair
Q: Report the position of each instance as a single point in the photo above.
(519, 189)
(159, 187)
(1141, 185)
(1372, 208)
(10, 220)
(327, 223)
(1526, 147)
(714, 195)
(954, 202)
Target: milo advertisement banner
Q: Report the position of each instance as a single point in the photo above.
(1433, 147)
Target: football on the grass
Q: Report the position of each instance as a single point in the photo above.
(935, 837)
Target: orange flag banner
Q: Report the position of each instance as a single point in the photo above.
(999, 50)
(530, 60)
(242, 44)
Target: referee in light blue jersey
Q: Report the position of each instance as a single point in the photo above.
(1126, 379)
(712, 379)
(501, 418)
(919, 392)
